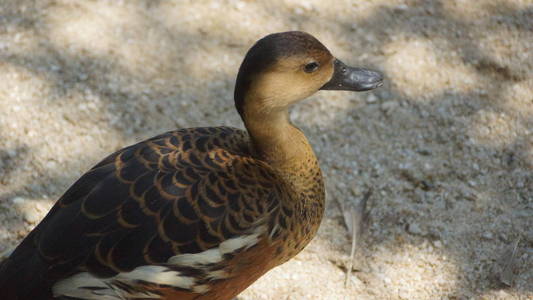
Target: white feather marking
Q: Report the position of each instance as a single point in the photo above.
(273, 232)
(215, 255)
(210, 256)
(73, 286)
(82, 285)
(86, 286)
(233, 244)
(157, 275)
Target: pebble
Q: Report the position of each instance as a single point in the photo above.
(18, 200)
(389, 106)
(402, 7)
(83, 76)
(32, 216)
(55, 68)
(414, 228)
(239, 5)
(11, 152)
(487, 235)
(51, 165)
(425, 152)
(503, 294)
(31, 213)
(371, 98)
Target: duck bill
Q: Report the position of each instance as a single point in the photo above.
(347, 78)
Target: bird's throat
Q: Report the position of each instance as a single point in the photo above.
(285, 148)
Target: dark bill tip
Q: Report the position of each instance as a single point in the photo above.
(347, 78)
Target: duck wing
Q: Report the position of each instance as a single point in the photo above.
(155, 213)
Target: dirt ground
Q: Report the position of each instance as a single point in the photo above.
(446, 145)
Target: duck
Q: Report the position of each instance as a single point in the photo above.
(194, 213)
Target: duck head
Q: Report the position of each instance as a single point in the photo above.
(283, 68)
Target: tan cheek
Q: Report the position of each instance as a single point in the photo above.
(327, 72)
(294, 86)
(319, 78)
(272, 90)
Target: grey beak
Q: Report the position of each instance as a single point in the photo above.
(347, 78)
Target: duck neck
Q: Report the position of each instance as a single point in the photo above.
(286, 149)
(277, 141)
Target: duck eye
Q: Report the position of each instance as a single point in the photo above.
(311, 67)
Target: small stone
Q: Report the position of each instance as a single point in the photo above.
(11, 153)
(55, 68)
(502, 294)
(520, 184)
(371, 98)
(437, 244)
(239, 5)
(31, 215)
(18, 200)
(425, 152)
(487, 235)
(83, 76)
(51, 165)
(389, 106)
(414, 228)
(31, 211)
(355, 190)
(402, 7)
(306, 5)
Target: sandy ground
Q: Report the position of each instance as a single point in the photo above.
(446, 144)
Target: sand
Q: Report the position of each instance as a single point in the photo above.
(446, 144)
